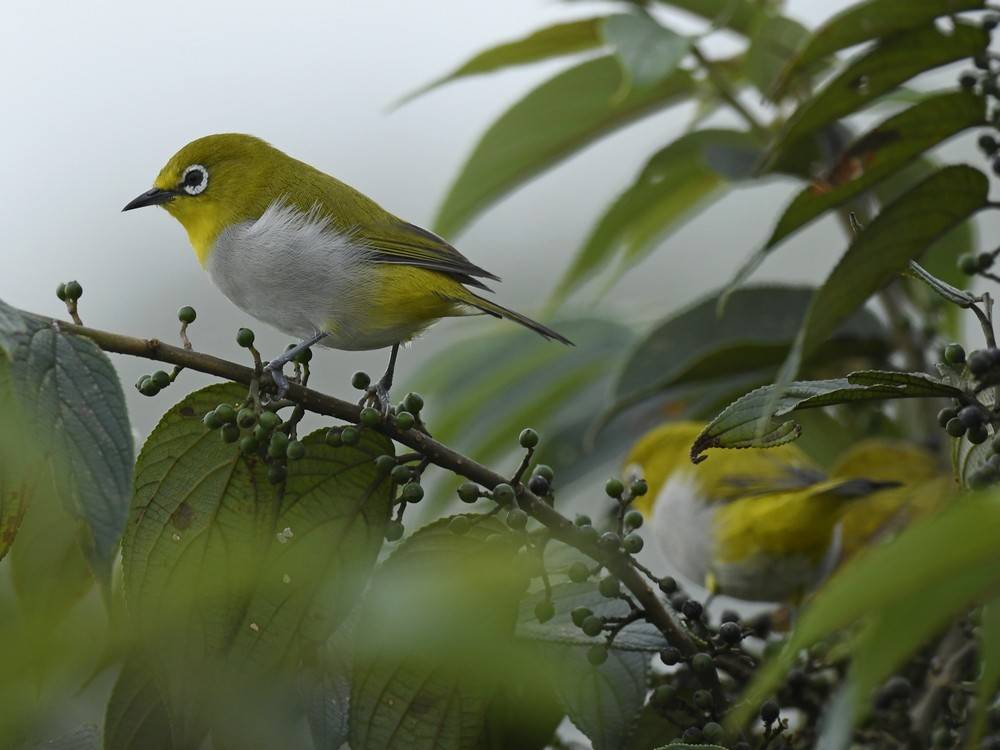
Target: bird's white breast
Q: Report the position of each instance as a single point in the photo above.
(297, 272)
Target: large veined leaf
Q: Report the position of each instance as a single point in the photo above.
(863, 22)
(66, 398)
(893, 61)
(228, 578)
(552, 122)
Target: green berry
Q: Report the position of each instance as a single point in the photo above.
(614, 487)
(582, 520)
(245, 337)
(528, 438)
(702, 663)
(609, 587)
(592, 625)
(147, 387)
(394, 531)
(954, 354)
(517, 519)
(589, 535)
(578, 571)
(668, 585)
(984, 261)
(639, 488)
(955, 428)
(361, 380)
(230, 433)
(249, 444)
(968, 264)
(305, 356)
(978, 434)
(712, 731)
(459, 525)
(246, 418)
(413, 402)
(544, 611)
(161, 378)
(633, 519)
(946, 415)
(543, 470)
(405, 420)
(610, 540)
(226, 413)
(212, 421)
(702, 699)
(664, 695)
(350, 435)
(385, 464)
(278, 445)
(412, 493)
(967, 81)
(579, 614)
(333, 437)
(295, 450)
(469, 492)
(276, 473)
(73, 290)
(269, 421)
(370, 417)
(503, 494)
(401, 474)
(632, 544)
(186, 314)
(597, 654)
(61, 291)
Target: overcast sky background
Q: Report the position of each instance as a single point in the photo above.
(96, 96)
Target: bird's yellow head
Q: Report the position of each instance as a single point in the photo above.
(220, 180)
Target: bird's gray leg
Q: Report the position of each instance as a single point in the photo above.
(276, 365)
(385, 383)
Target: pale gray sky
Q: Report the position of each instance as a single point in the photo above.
(96, 97)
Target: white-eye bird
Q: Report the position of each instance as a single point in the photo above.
(766, 525)
(311, 256)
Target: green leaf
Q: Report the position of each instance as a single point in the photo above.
(676, 182)
(771, 45)
(878, 153)
(135, 717)
(435, 644)
(754, 330)
(865, 21)
(70, 401)
(647, 51)
(551, 123)
(756, 420)
(604, 701)
(21, 463)
(233, 577)
(729, 14)
(899, 234)
(552, 41)
(989, 659)
(890, 63)
(84, 737)
(897, 577)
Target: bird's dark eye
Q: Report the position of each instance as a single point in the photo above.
(195, 179)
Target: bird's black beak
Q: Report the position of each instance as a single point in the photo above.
(153, 197)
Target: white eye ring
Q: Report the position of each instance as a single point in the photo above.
(195, 179)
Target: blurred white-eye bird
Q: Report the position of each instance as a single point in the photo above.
(313, 257)
(764, 525)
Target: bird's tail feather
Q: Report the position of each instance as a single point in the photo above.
(498, 311)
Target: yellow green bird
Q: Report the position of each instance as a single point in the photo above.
(313, 257)
(769, 525)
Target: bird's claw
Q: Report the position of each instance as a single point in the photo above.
(279, 380)
(381, 394)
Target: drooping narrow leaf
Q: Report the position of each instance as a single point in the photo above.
(754, 330)
(880, 152)
(552, 122)
(647, 50)
(759, 419)
(899, 234)
(675, 182)
(771, 45)
(552, 41)
(865, 21)
(728, 14)
(893, 61)
(136, 717)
